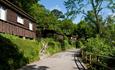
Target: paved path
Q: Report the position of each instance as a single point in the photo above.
(60, 61)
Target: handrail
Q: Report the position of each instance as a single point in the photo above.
(95, 59)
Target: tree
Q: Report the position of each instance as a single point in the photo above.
(24, 4)
(93, 23)
(45, 19)
(67, 27)
(84, 30)
(57, 13)
(110, 27)
(75, 7)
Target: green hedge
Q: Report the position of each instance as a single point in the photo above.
(16, 52)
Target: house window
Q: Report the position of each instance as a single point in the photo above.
(20, 19)
(30, 26)
(2, 13)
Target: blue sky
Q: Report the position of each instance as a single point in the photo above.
(59, 4)
(54, 4)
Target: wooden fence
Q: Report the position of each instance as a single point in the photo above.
(99, 62)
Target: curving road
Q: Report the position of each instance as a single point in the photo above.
(60, 61)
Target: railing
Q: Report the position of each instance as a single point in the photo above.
(97, 61)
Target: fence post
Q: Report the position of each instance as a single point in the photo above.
(86, 57)
(90, 58)
(97, 58)
(82, 54)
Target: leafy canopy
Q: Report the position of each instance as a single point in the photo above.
(89, 9)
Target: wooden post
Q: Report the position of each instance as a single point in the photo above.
(82, 54)
(97, 58)
(90, 59)
(86, 58)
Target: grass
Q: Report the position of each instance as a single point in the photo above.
(16, 52)
(30, 48)
(56, 46)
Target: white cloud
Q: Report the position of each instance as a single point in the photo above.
(113, 14)
(56, 7)
(110, 13)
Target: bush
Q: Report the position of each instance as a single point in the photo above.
(16, 52)
(55, 46)
(113, 51)
(80, 44)
(97, 46)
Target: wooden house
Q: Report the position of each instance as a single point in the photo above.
(15, 21)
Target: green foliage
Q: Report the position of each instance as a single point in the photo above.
(113, 51)
(16, 52)
(38, 12)
(97, 46)
(55, 46)
(84, 30)
(44, 18)
(10, 57)
(79, 44)
(94, 14)
(28, 48)
(93, 24)
(68, 45)
(67, 27)
(57, 13)
(24, 4)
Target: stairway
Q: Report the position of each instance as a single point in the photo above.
(42, 52)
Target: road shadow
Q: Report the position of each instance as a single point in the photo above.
(10, 57)
(76, 53)
(34, 67)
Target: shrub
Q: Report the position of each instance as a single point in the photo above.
(113, 51)
(55, 46)
(52, 45)
(16, 52)
(97, 46)
(79, 44)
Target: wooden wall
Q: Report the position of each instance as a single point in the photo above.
(11, 26)
(6, 27)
